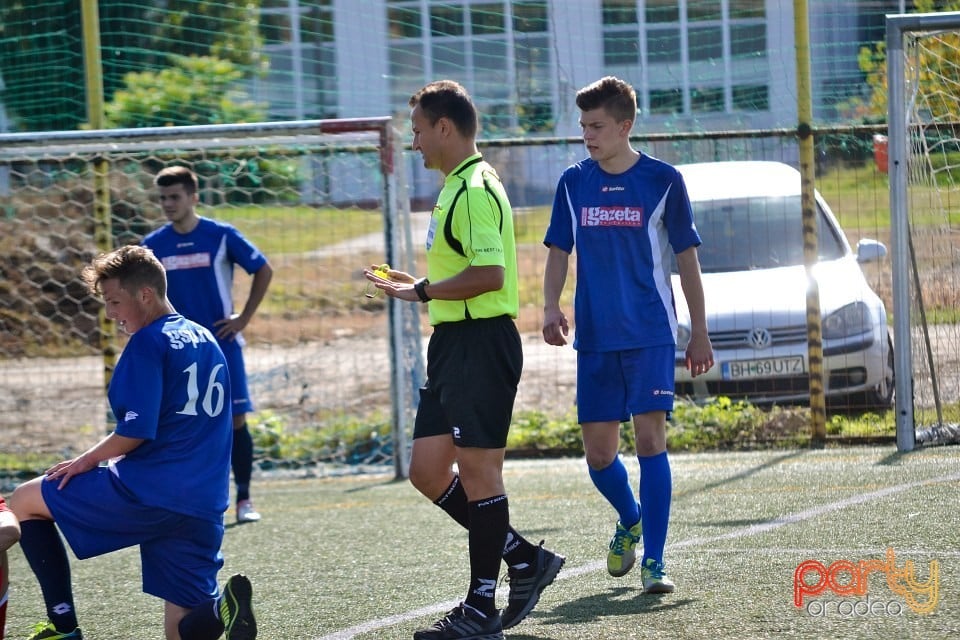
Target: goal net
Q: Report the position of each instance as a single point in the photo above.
(320, 198)
(924, 160)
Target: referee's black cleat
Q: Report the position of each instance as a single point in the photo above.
(463, 623)
(236, 609)
(526, 585)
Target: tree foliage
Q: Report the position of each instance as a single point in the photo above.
(42, 58)
(196, 90)
(937, 73)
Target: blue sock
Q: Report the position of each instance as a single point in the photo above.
(201, 623)
(656, 487)
(47, 557)
(613, 484)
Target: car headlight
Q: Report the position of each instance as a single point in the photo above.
(851, 320)
(683, 337)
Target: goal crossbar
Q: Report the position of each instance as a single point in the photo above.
(373, 131)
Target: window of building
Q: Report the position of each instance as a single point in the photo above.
(706, 43)
(751, 97)
(499, 50)
(663, 46)
(621, 42)
(299, 42)
(666, 101)
(748, 40)
(619, 12)
(446, 20)
(698, 10)
(621, 50)
(706, 99)
(530, 17)
(696, 56)
(487, 18)
(404, 22)
(661, 11)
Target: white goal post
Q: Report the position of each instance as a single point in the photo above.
(924, 168)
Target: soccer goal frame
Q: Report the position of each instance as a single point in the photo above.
(904, 281)
(302, 143)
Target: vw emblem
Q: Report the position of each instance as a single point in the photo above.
(759, 339)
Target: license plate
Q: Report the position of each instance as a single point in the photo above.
(766, 367)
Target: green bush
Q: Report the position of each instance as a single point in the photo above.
(720, 424)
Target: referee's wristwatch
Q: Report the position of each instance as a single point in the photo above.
(419, 287)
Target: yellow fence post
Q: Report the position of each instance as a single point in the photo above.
(103, 230)
(818, 410)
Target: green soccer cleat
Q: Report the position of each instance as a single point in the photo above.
(654, 578)
(46, 631)
(622, 553)
(236, 610)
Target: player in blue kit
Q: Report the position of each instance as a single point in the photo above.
(199, 255)
(161, 480)
(624, 212)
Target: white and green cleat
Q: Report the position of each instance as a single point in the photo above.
(654, 578)
(623, 555)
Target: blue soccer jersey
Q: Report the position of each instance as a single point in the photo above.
(199, 267)
(623, 227)
(171, 388)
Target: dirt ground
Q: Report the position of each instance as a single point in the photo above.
(51, 405)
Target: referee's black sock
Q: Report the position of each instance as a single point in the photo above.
(516, 552)
(454, 502)
(47, 557)
(241, 460)
(489, 521)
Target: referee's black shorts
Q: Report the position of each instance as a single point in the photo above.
(473, 369)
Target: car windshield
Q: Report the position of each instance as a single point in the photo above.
(757, 233)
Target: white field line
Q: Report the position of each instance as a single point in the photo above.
(745, 532)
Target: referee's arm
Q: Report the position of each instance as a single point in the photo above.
(469, 283)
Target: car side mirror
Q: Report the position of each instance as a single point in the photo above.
(871, 251)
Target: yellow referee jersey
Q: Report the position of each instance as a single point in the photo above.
(472, 225)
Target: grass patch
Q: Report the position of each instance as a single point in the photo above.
(26, 464)
(530, 225)
(279, 230)
(741, 523)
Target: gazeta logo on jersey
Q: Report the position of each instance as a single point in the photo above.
(859, 595)
(612, 216)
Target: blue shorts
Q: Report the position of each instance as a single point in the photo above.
(233, 352)
(613, 386)
(179, 555)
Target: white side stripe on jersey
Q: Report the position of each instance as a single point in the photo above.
(573, 214)
(661, 266)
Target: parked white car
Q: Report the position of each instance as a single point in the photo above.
(749, 217)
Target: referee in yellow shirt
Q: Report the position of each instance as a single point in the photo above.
(474, 360)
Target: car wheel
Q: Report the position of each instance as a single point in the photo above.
(880, 398)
